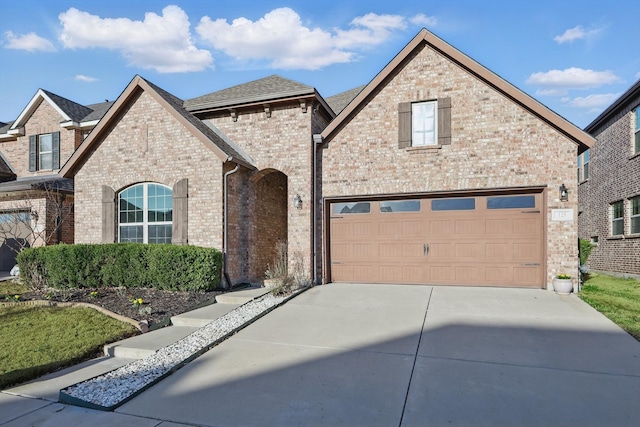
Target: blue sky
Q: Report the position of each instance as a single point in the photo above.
(575, 56)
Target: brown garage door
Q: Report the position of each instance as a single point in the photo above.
(471, 240)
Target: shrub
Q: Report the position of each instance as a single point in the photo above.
(585, 250)
(129, 265)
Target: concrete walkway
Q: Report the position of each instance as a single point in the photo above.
(383, 355)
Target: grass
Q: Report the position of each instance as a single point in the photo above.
(37, 340)
(12, 287)
(618, 299)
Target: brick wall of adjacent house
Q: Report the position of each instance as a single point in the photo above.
(45, 119)
(495, 144)
(614, 175)
(148, 144)
(281, 148)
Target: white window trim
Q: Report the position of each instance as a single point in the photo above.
(435, 124)
(41, 153)
(612, 212)
(145, 212)
(582, 176)
(632, 216)
(636, 131)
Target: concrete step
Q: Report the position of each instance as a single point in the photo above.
(241, 297)
(144, 345)
(201, 316)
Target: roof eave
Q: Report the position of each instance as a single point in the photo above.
(618, 104)
(248, 101)
(31, 107)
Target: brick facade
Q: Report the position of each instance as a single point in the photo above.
(614, 175)
(495, 143)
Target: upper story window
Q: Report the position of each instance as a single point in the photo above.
(583, 166)
(44, 152)
(145, 214)
(636, 134)
(424, 123)
(635, 215)
(617, 218)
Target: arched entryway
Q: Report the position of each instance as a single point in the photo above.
(270, 220)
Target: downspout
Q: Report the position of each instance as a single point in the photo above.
(225, 274)
(317, 141)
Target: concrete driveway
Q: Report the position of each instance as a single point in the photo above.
(394, 355)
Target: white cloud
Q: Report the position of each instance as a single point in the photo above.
(576, 33)
(572, 78)
(281, 38)
(162, 43)
(593, 102)
(86, 79)
(30, 42)
(551, 92)
(424, 20)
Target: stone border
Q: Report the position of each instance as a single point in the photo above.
(141, 326)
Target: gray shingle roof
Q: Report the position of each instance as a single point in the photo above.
(4, 127)
(177, 104)
(265, 89)
(338, 101)
(55, 182)
(75, 111)
(98, 111)
(6, 173)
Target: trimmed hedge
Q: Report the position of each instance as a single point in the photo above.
(131, 265)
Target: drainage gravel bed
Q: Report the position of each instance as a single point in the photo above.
(108, 391)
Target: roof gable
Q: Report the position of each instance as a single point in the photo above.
(565, 127)
(622, 102)
(173, 105)
(266, 89)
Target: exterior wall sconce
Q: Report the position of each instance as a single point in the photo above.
(297, 201)
(564, 193)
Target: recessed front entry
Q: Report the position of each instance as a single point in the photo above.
(484, 240)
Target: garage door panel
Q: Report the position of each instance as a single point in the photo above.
(471, 244)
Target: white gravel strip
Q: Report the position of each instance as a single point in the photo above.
(118, 385)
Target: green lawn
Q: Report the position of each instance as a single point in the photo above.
(618, 299)
(37, 340)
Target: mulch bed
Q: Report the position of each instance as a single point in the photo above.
(157, 306)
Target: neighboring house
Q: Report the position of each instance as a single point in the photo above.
(609, 191)
(437, 171)
(36, 204)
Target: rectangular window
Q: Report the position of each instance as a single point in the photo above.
(467, 204)
(635, 215)
(400, 206)
(351, 208)
(45, 151)
(617, 218)
(511, 202)
(583, 166)
(131, 234)
(636, 134)
(423, 123)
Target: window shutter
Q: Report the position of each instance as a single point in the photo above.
(404, 125)
(108, 215)
(444, 121)
(33, 153)
(55, 137)
(180, 224)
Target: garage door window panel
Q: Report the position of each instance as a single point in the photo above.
(351, 208)
(464, 204)
(511, 202)
(400, 206)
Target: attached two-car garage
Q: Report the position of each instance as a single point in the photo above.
(469, 239)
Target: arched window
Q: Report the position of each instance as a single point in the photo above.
(145, 214)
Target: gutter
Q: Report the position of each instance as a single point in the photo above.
(225, 273)
(317, 142)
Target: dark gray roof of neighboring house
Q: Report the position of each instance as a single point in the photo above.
(632, 93)
(55, 182)
(4, 127)
(338, 101)
(269, 88)
(98, 111)
(75, 111)
(177, 104)
(6, 173)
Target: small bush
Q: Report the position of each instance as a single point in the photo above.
(128, 265)
(585, 250)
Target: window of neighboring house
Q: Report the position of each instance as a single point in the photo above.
(145, 214)
(635, 215)
(424, 123)
(617, 218)
(583, 166)
(636, 142)
(44, 152)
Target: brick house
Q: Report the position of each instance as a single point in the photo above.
(609, 189)
(437, 171)
(36, 204)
